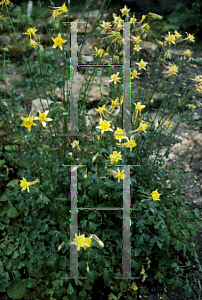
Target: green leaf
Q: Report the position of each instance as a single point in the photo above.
(83, 293)
(4, 195)
(134, 286)
(2, 162)
(13, 213)
(13, 182)
(92, 226)
(70, 289)
(16, 293)
(185, 232)
(10, 148)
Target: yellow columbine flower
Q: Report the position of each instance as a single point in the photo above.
(167, 55)
(137, 48)
(139, 107)
(87, 243)
(114, 104)
(155, 196)
(25, 185)
(142, 64)
(43, 118)
(34, 44)
(58, 41)
(58, 11)
(115, 35)
(101, 110)
(31, 31)
(28, 122)
(118, 174)
(190, 37)
(130, 144)
(104, 126)
(186, 52)
(172, 70)
(115, 78)
(74, 144)
(170, 38)
(79, 241)
(106, 25)
(142, 127)
(135, 74)
(169, 124)
(6, 2)
(177, 34)
(121, 137)
(115, 157)
(135, 39)
(125, 11)
(191, 106)
(100, 52)
(133, 20)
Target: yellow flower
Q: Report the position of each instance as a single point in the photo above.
(191, 106)
(31, 31)
(142, 127)
(118, 174)
(135, 39)
(125, 11)
(43, 118)
(79, 241)
(170, 38)
(34, 44)
(130, 144)
(177, 34)
(115, 78)
(25, 185)
(28, 122)
(87, 243)
(116, 35)
(172, 70)
(115, 157)
(135, 74)
(118, 26)
(58, 41)
(154, 196)
(198, 88)
(139, 107)
(100, 52)
(142, 64)
(60, 247)
(137, 48)
(167, 55)
(58, 11)
(101, 111)
(186, 52)
(6, 2)
(74, 144)
(106, 25)
(169, 124)
(114, 104)
(104, 126)
(120, 131)
(190, 37)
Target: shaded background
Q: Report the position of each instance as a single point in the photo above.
(184, 15)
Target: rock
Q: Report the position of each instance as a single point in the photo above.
(4, 40)
(148, 47)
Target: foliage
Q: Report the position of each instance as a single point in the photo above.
(35, 206)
